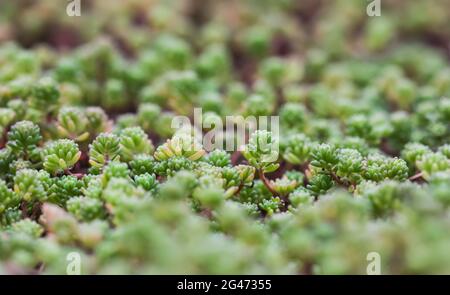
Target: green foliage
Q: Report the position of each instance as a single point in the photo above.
(30, 185)
(27, 227)
(6, 117)
(172, 165)
(85, 209)
(134, 141)
(293, 116)
(72, 123)
(218, 158)
(386, 198)
(46, 93)
(325, 156)
(379, 168)
(146, 181)
(10, 216)
(23, 138)
(296, 149)
(97, 120)
(320, 184)
(350, 165)
(60, 155)
(142, 164)
(181, 145)
(147, 115)
(355, 160)
(115, 170)
(414, 151)
(64, 188)
(270, 206)
(301, 197)
(8, 198)
(105, 148)
(445, 150)
(284, 186)
(262, 150)
(432, 163)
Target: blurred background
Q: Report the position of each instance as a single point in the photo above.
(340, 26)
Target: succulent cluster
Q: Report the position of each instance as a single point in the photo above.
(89, 161)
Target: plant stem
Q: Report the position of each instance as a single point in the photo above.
(24, 209)
(77, 175)
(235, 157)
(267, 182)
(416, 176)
(239, 189)
(338, 180)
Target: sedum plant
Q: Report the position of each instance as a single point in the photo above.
(9, 198)
(356, 158)
(105, 148)
(23, 138)
(72, 123)
(134, 141)
(60, 156)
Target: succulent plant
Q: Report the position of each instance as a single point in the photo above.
(60, 155)
(105, 148)
(356, 158)
(23, 138)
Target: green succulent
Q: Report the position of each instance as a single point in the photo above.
(8, 198)
(72, 123)
(31, 185)
(64, 188)
(181, 145)
(85, 209)
(46, 93)
(293, 116)
(27, 227)
(134, 141)
(284, 186)
(147, 115)
(432, 163)
(262, 151)
(270, 206)
(146, 181)
(320, 184)
(218, 158)
(301, 197)
(60, 156)
(105, 148)
(6, 117)
(142, 164)
(353, 159)
(296, 149)
(325, 156)
(350, 165)
(23, 138)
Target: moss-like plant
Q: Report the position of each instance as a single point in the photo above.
(335, 127)
(60, 156)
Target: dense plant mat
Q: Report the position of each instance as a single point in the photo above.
(91, 166)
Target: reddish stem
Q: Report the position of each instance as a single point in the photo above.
(24, 209)
(417, 176)
(235, 157)
(77, 175)
(267, 182)
(239, 189)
